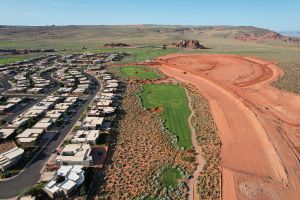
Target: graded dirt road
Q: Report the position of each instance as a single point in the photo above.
(259, 125)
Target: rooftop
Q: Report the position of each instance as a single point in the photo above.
(6, 132)
(66, 178)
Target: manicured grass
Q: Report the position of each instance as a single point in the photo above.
(170, 177)
(139, 72)
(175, 111)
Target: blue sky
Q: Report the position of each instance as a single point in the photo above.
(272, 14)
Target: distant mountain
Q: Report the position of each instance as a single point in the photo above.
(78, 36)
(290, 33)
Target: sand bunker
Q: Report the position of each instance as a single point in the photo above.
(258, 124)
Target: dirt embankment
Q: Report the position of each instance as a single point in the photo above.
(266, 36)
(259, 125)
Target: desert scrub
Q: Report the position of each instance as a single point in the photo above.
(170, 181)
(209, 186)
(138, 152)
(291, 79)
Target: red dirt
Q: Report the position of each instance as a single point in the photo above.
(258, 124)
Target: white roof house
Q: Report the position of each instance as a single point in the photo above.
(14, 100)
(102, 103)
(6, 132)
(89, 137)
(62, 106)
(107, 110)
(43, 124)
(66, 180)
(79, 90)
(84, 81)
(51, 98)
(71, 100)
(64, 90)
(34, 90)
(18, 122)
(10, 157)
(54, 114)
(75, 154)
(33, 113)
(111, 85)
(112, 81)
(6, 107)
(101, 111)
(106, 77)
(29, 136)
(84, 86)
(108, 90)
(92, 123)
(44, 105)
(107, 96)
(94, 113)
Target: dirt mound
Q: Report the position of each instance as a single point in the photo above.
(191, 44)
(266, 36)
(116, 45)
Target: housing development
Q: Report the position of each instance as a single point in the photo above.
(57, 113)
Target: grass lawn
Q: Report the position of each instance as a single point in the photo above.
(170, 177)
(175, 111)
(139, 72)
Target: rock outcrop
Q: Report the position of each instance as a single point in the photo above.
(116, 45)
(191, 44)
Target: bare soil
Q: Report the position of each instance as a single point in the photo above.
(257, 123)
(5, 146)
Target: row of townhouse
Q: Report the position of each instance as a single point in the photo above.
(82, 152)
(48, 112)
(45, 114)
